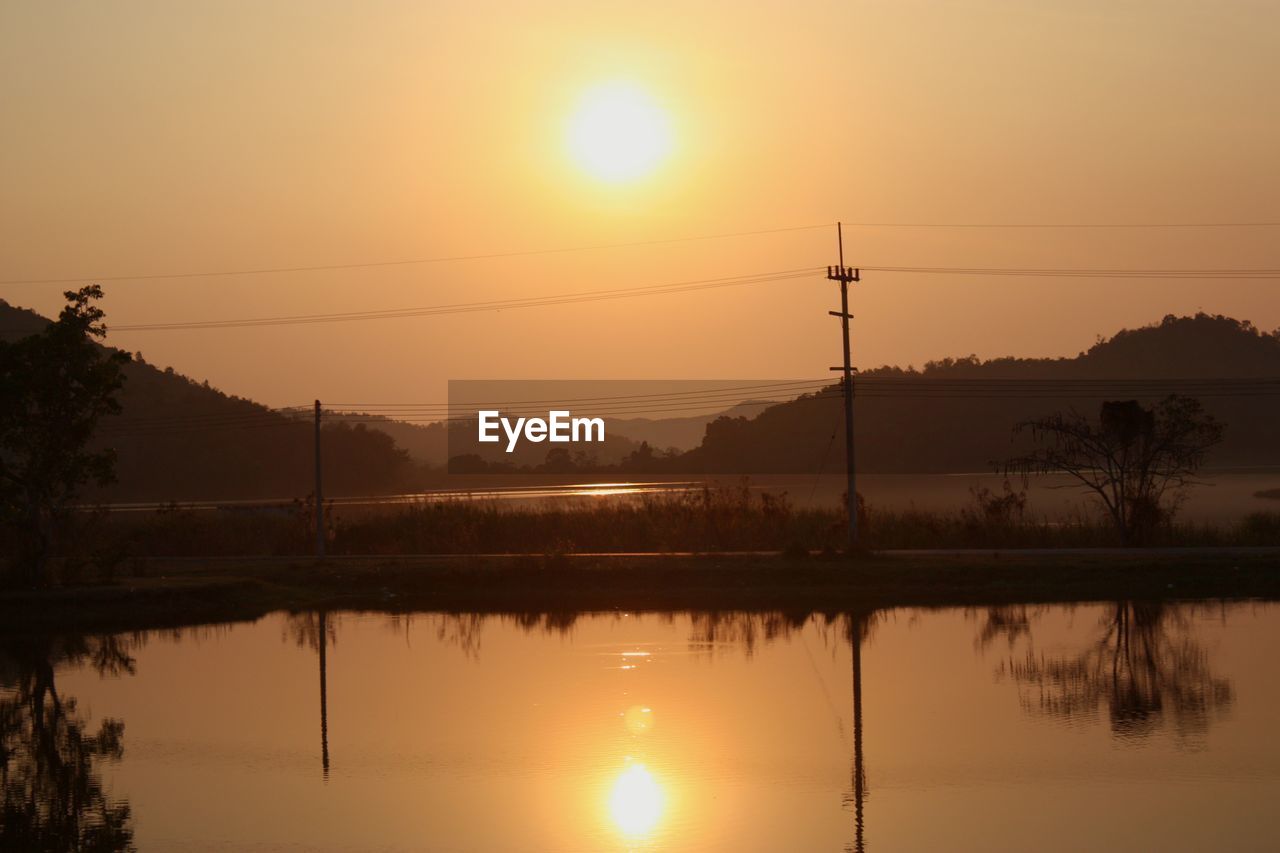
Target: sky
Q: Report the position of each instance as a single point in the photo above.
(147, 138)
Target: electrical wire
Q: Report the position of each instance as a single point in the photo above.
(493, 305)
(1233, 274)
(868, 387)
(628, 244)
(416, 261)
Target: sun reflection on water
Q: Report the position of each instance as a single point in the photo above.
(636, 801)
(638, 719)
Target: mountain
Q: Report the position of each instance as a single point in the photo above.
(179, 439)
(429, 444)
(918, 431)
(681, 433)
(434, 444)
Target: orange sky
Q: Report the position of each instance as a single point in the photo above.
(145, 138)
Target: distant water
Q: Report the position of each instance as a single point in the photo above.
(1116, 726)
(1221, 496)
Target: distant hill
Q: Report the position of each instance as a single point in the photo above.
(428, 444)
(179, 439)
(1204, 346)
(434, 443)
(682, 433)
(924, 433)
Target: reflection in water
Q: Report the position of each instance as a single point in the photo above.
(858, 630)
(1011, 622)
(53, 795)
(662, 755)
(636, 801)
(638, 720)
(1145, 665)
(316, 631)
(744, 631)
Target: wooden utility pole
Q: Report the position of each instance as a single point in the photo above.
(844, 275)
(319, 492)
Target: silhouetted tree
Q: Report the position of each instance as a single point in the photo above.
(54, 387)
(1136, 461)
(559, 461)
(640, 460)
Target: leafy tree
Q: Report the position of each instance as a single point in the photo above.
(1136, 461)
(54, 387)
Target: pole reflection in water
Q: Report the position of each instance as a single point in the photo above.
(859, 624)
(324, 694)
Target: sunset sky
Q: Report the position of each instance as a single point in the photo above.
(148, 138)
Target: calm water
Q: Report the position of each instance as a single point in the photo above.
(1090, 727)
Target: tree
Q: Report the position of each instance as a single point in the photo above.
(54, 387)
(1136, 461)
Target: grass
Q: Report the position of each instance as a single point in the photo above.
(706, 520)
(179, 566)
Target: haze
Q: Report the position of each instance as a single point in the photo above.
(144, 138)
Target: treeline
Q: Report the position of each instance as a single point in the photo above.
(183, 440)
(956, 415)
(179, 439)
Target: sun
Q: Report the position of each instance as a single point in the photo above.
(619, 133)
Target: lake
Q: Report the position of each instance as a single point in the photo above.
(1221, 497)
(1116, 726)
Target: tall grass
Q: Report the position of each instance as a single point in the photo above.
(706, 520)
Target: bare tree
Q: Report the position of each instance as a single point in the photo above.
(1136, 461)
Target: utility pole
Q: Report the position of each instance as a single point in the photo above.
(319, 492)
(844, 275)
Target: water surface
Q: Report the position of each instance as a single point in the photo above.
(1117, 726)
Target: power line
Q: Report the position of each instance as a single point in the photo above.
(416, 261)
(685, 287)
(1065, 225)
(874, 387)
(728, 389)
(472, 307)
(1267, 273)
(734, 395)
(226, 273)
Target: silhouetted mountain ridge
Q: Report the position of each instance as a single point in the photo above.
(179, 439)
(924, 433)
(182, 439)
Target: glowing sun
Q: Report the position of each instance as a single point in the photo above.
(618, 133)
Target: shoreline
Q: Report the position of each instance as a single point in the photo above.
(200, 591)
